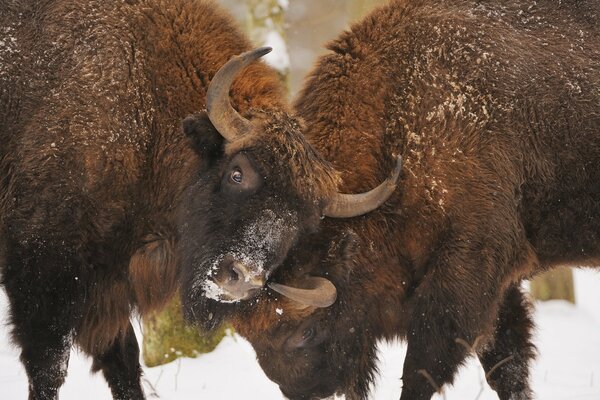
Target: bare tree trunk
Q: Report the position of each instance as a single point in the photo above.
(167, 337)
(554, 285)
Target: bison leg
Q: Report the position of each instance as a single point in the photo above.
(46, 365)
(433, 354)
(121, 367)
(456, 303)
(45, 357)
(43, 313)
(506, 359)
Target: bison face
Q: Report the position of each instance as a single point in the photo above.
(295, 356)
(317, 356)
(240, 217)
(314, 352)
(264, 187)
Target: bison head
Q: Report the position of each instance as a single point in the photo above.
(264, 188)
(314, 352)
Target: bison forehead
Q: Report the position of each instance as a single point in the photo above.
(272, 319)
(281, 148)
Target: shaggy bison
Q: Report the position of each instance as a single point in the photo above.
(494, 109)
(93, 166)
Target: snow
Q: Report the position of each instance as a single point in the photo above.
(283, 4)
(9, 42)
(214, 291)
(567, 337)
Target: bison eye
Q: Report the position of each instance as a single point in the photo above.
(237, 176)
(307, 334)
(241, 177)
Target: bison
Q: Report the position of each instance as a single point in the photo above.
(494, 109)
(94, 165)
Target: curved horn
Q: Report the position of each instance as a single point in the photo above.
(320, 293)
(223, 116)
(353, 205)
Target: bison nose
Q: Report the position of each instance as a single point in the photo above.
(236, 280)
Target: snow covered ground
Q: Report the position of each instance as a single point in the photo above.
(568, 368)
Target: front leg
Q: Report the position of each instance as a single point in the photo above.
(121, 368)
(44, 307)
(457, 300)
(507, 357)
(433, 354)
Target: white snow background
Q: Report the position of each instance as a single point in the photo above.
(568, 368)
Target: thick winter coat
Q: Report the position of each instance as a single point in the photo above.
(93, 165)
(494, 108)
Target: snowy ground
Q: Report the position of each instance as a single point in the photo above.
(568, 368)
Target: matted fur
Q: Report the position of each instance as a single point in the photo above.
(283, 145)
(106, 316)
(153, 274)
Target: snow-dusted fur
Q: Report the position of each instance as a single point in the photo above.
(93, 164)
(494, 108)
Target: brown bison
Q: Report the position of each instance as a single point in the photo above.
(494, 108)
(93, 166)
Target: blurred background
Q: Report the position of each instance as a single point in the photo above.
(307, 26)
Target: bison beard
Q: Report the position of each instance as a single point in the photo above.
(93, 166)
(493, 107)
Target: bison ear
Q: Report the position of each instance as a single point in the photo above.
(204, 137)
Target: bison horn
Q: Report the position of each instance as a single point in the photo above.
(223, 116)
(353, 205)
(319, 292)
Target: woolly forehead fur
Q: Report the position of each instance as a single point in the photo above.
(279, 145)
(268, 315)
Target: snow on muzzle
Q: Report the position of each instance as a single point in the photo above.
(245, 264)
(236, 281)
(242, 270)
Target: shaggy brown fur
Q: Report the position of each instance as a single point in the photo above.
(278, 138)
(494, 109)
(93, 165)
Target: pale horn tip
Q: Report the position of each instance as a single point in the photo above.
(254, 54)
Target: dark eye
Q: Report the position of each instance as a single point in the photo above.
(307, 334)
(236, 176)
(240, 178)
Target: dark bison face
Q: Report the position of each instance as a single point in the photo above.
(296, 357)
(310, 352)
(264, 187)
(240, 216)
